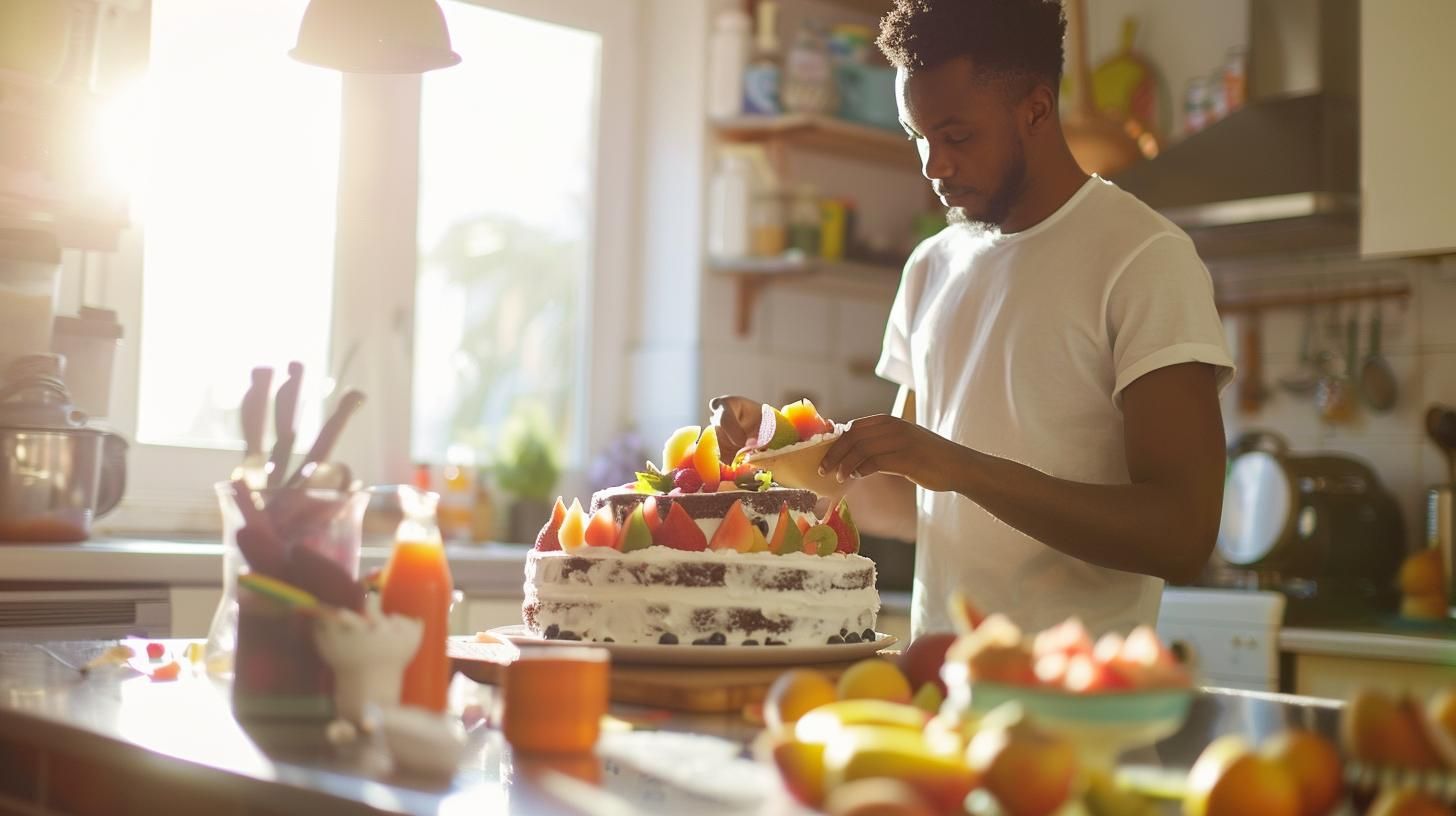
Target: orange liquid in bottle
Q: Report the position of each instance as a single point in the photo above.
(417, 584)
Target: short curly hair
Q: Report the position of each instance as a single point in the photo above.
(1008, 38)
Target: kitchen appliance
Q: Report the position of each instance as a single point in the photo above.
(30, 265)
(1313, 525)
(56, 473)
(88, 341)
(1230, 637)
(46, 612)
(1282, 173)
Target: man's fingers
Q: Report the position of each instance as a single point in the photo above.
(858, 430)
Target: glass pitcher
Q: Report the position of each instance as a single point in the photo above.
(267, 650)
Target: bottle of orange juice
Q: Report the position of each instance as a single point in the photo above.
(417, 584)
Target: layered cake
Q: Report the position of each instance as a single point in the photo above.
(700, 553)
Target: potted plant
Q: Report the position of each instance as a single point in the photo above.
(526, 470)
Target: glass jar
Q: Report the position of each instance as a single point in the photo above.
(769, 230)
(266, 645)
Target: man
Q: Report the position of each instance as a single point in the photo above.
(1057, 434)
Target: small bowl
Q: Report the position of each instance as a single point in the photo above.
(799, 467)
(1103, 726)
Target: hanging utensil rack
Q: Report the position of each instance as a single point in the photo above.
(1290, 299)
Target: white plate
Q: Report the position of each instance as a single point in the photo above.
(682, 654)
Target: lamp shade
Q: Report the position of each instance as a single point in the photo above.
(375, 36)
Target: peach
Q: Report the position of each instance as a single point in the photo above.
(1430, 607)
(1314, 765)
(786, 536)
(1383, 731)
(775, 430)
(801, 767)
(874, 679)
(678, 451)
(572, 534)
(679, 532)
(1029, 771)
(868, 752)
(794, 694)
(735, 532)
(806, 419)
(1423, 574)
(635, 534)
(922, 659)
(876, 797)
(706, 460)
(1229, 779)
(602, 531)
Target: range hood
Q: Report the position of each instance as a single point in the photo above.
(1280, 175)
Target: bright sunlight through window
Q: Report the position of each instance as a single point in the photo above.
(237, 200)
(507, 149)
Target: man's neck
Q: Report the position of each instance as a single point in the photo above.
(1048, 187)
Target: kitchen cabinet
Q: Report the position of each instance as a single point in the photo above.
(1339, 677)
(1407, 127)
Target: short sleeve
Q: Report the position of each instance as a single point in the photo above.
(1160, 312)
(894, 364)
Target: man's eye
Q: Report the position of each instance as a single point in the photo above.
(956, 139)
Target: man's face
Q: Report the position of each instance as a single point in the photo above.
(970, 147)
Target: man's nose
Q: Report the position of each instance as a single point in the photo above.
(934, 164)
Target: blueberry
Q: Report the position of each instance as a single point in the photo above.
(667, 639)
(851, 638)
(552, 631)
(843, 632)
(750, 642)
(835, 640)
(868, 636)
(700, 642)
(608, 640)
(717, 639)
(772, 642)
(567, 634)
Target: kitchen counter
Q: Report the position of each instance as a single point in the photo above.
(1372, 644)
(484, 569)
(174, 747)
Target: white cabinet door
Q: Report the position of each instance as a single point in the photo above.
(1407, 127)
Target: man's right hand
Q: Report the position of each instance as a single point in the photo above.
(736, 419)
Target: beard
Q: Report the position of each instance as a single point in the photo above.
(998, 206)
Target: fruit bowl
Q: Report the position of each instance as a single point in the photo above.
(798, 466)
(1103, 725)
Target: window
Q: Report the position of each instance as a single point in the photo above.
(443, 242)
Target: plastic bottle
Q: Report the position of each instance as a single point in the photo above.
(761, 79)
(417, 584)
(727, 61)
(730, 199)
(804, 222)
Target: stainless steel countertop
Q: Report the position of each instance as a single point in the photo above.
(183, 735)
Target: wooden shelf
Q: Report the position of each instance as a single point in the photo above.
(825, 134)
(753, 274)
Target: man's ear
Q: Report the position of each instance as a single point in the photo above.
(1038, 108)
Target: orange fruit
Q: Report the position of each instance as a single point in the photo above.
(874, 679)
(794, 694)
(1229, 779)
(1313, 763)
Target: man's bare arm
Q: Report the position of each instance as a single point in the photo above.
(884, 504)
(1163, 523)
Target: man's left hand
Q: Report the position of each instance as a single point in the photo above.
(886, 444)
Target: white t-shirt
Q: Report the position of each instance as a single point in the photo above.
(1019, 346)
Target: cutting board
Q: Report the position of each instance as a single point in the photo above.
(703, 689)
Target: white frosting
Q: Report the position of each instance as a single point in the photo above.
(768, 454)
(618, 596)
